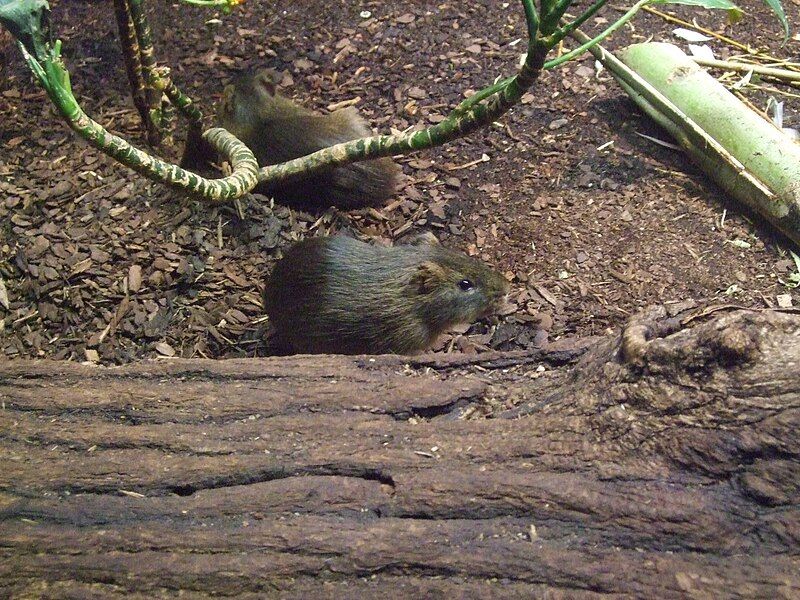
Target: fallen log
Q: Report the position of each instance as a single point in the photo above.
(663, 462)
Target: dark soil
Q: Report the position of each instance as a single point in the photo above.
(589, 220)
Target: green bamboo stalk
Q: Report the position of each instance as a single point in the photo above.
(715, 157)
(729, 173)
(763, 149)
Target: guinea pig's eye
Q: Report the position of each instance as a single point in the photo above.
(466, 285)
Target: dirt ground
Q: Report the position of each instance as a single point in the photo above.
(588, 219)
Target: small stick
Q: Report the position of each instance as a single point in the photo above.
(782, 74)
(773, 90)
(780, 63)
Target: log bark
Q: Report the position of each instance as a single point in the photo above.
(663, 462)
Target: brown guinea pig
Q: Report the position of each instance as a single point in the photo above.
(338, 295)
(277, 130)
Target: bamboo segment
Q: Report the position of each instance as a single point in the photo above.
(765, 152)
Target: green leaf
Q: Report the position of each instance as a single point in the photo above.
(734, 16)
(28, 22)
(777, 8)
(734, 11)
(796, 261)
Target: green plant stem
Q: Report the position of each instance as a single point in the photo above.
(480, 95)
(474, 113)
(531, 18)
(148, 62)
(465, 118)
(550, 64)
(457, 124)
(167, 119)
(55, 80)
(552, 14)
(130, 56)
(564, 31)
(184, 104)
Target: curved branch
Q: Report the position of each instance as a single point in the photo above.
(468, 116)
(475, 112)
(55, 79)
(459, 123)
(28, 22)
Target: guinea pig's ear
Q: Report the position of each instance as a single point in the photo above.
(429, 277)
(266, 80)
